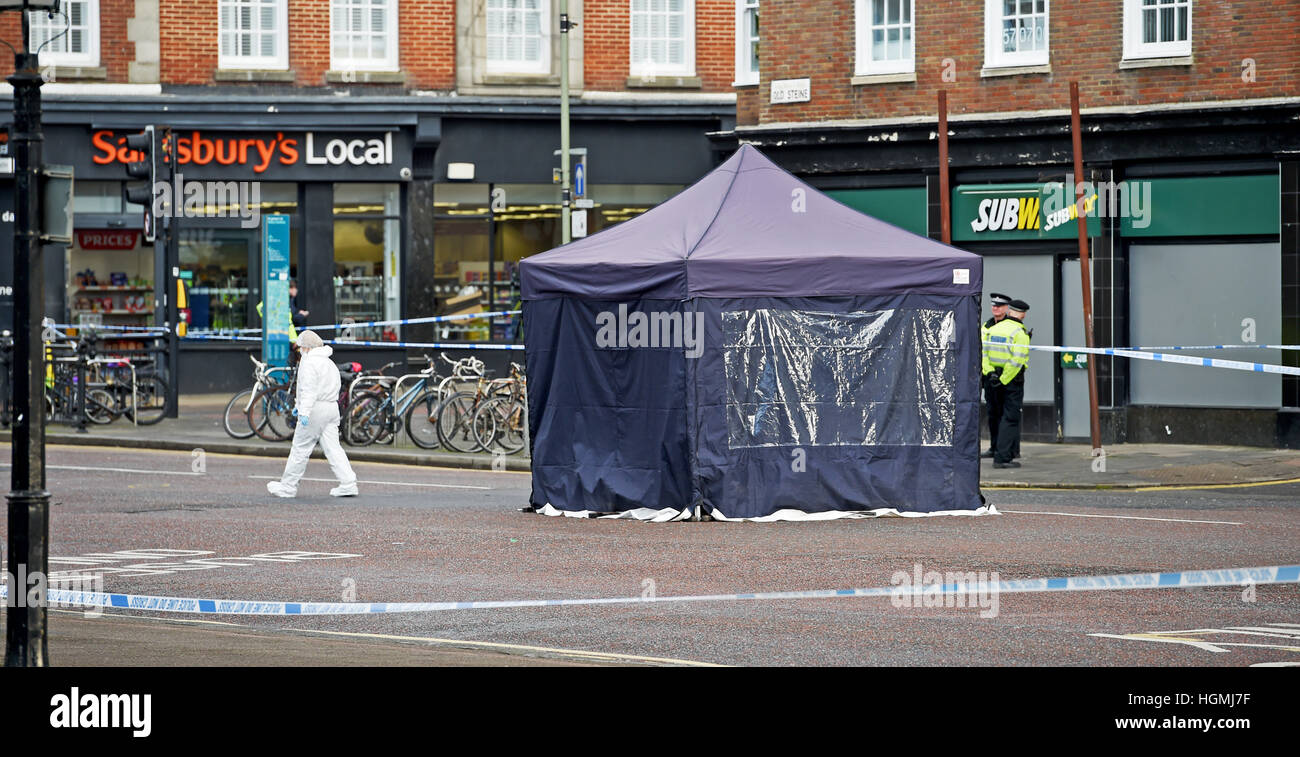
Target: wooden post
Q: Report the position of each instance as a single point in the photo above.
(1084, 270)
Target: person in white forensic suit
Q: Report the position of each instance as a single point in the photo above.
(317, 409)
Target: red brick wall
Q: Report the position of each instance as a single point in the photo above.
(188, 39)
(427, 37)
(115, 51)
(816, 40)
(606, 39)
(426, 42)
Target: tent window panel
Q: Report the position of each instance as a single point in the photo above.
(810, 379)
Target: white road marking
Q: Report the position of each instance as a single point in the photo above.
(114, 470)
(385, 483)
(1124, 517)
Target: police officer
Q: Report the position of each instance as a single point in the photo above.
(992, 392)
(1005, 360)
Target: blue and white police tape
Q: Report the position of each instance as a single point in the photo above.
(221, 337)
(390, 345)
(103, 327)
(409, 321)
(1223, 347)
(1274, 574)
(426, 345)
(1160, 357)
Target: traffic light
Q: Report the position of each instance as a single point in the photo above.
(141, 192)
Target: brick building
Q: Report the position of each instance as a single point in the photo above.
(1189, 112)
(411, 141)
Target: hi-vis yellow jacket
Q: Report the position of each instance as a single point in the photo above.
(1006, 348)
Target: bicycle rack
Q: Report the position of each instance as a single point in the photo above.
(118, 363)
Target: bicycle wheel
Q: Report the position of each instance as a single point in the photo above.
(422, 421)
(100, 406)
(366, 418)
(235, 419)
(508, 424)
(455, 416)
(150, 401)
(271, 414)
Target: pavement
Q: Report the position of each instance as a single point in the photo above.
(1057, 466)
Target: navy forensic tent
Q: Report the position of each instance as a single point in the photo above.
(751, 349)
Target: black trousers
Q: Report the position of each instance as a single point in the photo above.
(993, 394)
(1008, 446)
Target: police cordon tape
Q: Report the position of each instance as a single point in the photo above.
(1160, 357)
(391, 345)
(1274, 574)
(1224, 347)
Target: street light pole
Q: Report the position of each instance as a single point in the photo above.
(566, 193)
(29, 502)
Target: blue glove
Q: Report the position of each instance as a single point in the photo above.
(304, 420)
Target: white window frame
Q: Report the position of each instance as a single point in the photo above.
(865, 65)
(1135, 48)
(745, 74)
(685, 68)
(540, 66)
(994, 57)
(388, 63)
(88, 57)
(279, 61)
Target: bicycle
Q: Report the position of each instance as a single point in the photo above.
(375, 385)
(502, 420)
(375, 412)
(422, 417)
(455, 414)
(270, 414)
(235, 419)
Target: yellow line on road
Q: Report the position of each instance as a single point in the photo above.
(606, 656)
(574, 653)
(1117, 489)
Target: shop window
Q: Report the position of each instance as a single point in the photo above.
(663, 37)
(482, 232)
(885, 37)
(1016, 33)
(254, 34)
(364, 35)
(79, 46)
(367, 258)
(224, 261)
(1157, 28)
(97, 197)
(518, 36)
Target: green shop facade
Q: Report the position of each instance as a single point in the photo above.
(1192, 225)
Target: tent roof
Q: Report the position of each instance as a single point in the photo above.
(749, 228)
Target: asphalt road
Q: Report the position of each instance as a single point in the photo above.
(421, 534)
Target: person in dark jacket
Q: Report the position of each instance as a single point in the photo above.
(299, 316)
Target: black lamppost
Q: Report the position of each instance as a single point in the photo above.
(29, 502)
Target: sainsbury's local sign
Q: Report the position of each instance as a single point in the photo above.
(270, 156)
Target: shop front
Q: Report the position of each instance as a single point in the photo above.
(1028, 239)
(344, 192)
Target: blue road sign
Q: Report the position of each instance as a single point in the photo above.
(276, 319)
(580, 179)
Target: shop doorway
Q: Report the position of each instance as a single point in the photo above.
(225, 284)
(1076, 423)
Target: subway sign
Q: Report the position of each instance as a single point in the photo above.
(993, 212)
